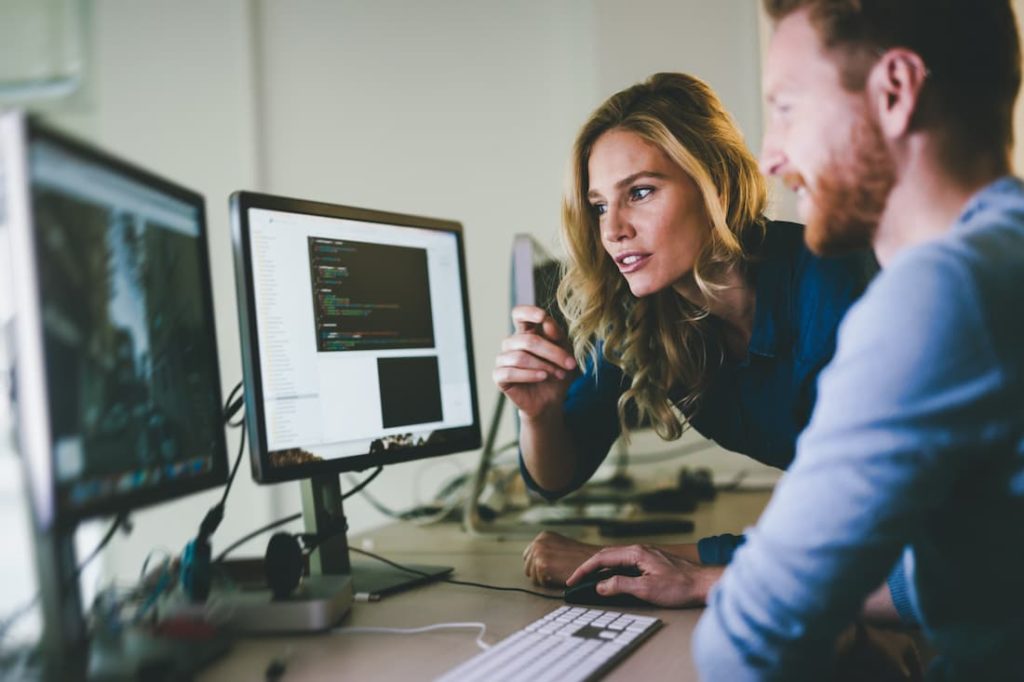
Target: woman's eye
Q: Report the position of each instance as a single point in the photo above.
(599, 209)
(638, 193)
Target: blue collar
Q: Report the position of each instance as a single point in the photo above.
(983, 198)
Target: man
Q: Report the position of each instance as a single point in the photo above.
(891, 119)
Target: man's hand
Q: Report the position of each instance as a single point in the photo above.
(550, 558)
(665, 579)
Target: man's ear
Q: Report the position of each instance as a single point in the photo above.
(894, 89)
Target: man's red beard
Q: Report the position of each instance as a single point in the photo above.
(851, 193)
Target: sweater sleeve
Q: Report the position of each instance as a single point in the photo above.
(910, 395)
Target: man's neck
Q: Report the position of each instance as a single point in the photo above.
(927, 199)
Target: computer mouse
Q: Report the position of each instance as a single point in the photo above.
(585, 591)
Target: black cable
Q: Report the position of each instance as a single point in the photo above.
(294, 517)
(452, 581)
(259, 531)
(215, 515)
(120, 520)
(365, 482)
(233, 404)
(238, 461)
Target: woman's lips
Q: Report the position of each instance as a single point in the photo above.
(631, 262)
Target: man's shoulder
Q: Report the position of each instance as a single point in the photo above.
(985, 250)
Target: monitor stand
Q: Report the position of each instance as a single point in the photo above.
(324, 516)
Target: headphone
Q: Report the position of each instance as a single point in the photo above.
(284, 563)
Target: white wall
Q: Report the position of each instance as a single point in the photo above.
(452, 108)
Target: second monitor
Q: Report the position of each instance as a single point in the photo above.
(357, 349)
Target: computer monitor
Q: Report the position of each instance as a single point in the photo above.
(356, 351)
(116, 380)
(535, 275)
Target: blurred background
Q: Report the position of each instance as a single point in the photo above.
(460, 109)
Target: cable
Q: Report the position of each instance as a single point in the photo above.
(238, 461)
(215, 514)
(450, 580)
(233, 404)
(415, 631)
(120, 520)
(259, 531)
(288, 519)
(231, 407)
(365, 482)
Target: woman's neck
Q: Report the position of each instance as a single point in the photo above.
(734, 306)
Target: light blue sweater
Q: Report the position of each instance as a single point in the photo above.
(914, 453)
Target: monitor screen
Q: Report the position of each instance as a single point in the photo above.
(356, 336)
(119, 283)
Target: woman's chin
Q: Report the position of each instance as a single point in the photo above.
(641, 289)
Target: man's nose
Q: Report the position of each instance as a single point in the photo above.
(772, 156)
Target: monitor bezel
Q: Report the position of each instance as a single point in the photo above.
(64, 515)
(458, 439)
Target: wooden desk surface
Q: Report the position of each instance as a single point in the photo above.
(338, 656)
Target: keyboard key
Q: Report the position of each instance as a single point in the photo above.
(569, 644)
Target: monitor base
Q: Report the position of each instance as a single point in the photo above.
(373, 580)
(318, 603)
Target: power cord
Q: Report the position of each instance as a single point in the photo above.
(311, 542)
(451, 580)
(425, 515)
(415, 631)
(294, 517)
(195, 558)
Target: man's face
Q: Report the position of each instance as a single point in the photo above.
(822, 141)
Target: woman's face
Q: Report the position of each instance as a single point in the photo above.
(650, 212)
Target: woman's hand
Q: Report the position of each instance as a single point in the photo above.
(534, 368)
(665, 579)
(550, 558)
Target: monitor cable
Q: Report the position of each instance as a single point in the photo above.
(452, 581)
(195, 574)
(311, 541)
(289, 519)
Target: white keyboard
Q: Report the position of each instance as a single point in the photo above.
(570, 643)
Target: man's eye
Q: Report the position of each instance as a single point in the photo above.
(638, 193)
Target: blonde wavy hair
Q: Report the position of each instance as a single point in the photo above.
(661, 340)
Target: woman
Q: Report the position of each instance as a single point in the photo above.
(685, 306)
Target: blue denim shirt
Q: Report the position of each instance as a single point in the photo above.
(758, 406)
(914, 455)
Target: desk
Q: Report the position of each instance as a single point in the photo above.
(666, 656)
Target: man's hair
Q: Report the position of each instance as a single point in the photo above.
(970, 48)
